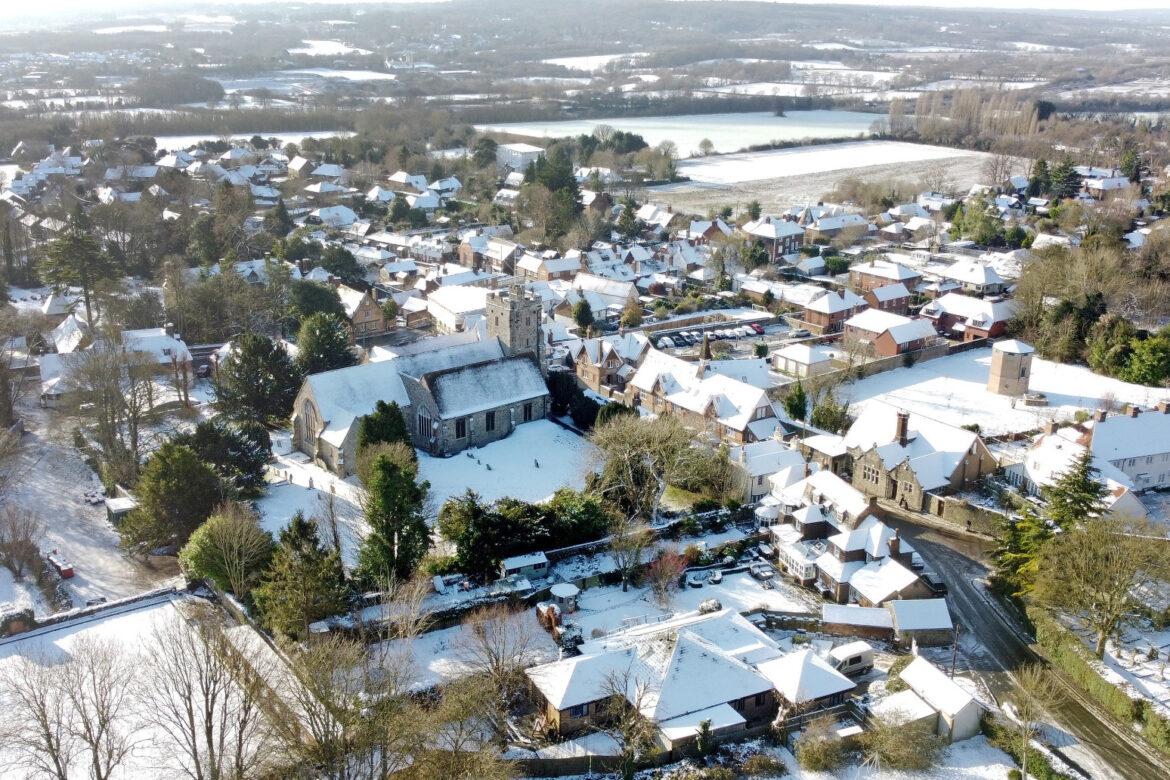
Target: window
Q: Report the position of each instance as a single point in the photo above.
(580, 711)
(759, 700)
(738, 704)
(760, 480)
(1023, 372)
(528, 412)
(461, 428)
(907, 487)
(1133, 461)
(490, 421)
(870, 474)
(1149, 459)
(424, 425)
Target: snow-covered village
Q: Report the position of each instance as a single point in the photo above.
(421, 390)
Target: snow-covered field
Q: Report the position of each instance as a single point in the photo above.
(185, 141)
(327, 49)
(953, 389)
(755, 166)
(563, 457)
(728, 132)
(592, 63)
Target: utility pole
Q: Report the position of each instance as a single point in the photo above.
(955, 650)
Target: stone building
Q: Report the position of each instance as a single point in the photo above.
(1011, 367)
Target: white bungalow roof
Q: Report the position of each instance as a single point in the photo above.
(938, 690)
(920, 614)
(804, 676)
(880, 580)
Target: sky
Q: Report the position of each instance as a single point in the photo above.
(52, 6)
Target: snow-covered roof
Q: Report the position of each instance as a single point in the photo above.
(1014, 346)
(764, 457)
(871, 535)
(890, 292)
(834, 303)
(826, 487)
(804, 676)
(806, 354)
(979, 312)
(885, 269)
(582, 679)
(1120, 437)
(516, 562)
(773, 229)
(852, 615)
(881, 580)
(902, 707)
(463, 391)
(920, 614)
(972, 272)
(934, 449)
(938, 690)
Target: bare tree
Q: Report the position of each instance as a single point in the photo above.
(460, 743)
(663, 575)
(628, 538)
(997, 169)
(41, 736)
(625, 696)
(15, 328)
(498, 643)
(99, 683)
(890, 742)
(1036, 690)
(20, 530)
(206, 696)
(1092, 570)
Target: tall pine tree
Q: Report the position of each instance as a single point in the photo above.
(399, 535)
(1076, 495)
(323, 345)
(257, 380)
(385, 424)
(304, 583)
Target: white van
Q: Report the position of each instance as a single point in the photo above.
(853, 658)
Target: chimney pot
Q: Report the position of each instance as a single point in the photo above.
(895, 544)
(903, 428)
(169, 329)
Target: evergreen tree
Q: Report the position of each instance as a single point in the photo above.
(237, 451)
(1076, 495)
(323, 345)
(1064, 181)
(1148, 362)
(582, 314)
(831, 416)
(1017, 551)
(399, 209)
(796, 403)
(1040, 182)
(627, 222)
(277, 220)
(385, 424)
(176, 492)
(399, 536)
(304, 583)
(1131, 165)
(307, 298)
(340, 262)
(76, 259)
(610, 411)
(257, 380)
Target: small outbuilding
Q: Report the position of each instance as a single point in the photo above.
(958, 711)
(531, 565)
(926, 622)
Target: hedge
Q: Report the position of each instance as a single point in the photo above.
(1068, 652)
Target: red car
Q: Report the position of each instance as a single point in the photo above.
(756, 327)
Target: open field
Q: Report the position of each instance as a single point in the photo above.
(807, 174)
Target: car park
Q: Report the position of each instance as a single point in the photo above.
(666, 342)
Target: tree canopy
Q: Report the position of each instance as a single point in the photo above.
(323, 345)
(304, 582)
(257, 380)
(176, 492)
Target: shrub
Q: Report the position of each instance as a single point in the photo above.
(1014, 774)
(1004, 738)
(894, 681)
(818, 749)
(763, 765)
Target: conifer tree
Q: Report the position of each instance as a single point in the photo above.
(303, 584)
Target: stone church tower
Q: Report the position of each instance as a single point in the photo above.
(514, 316)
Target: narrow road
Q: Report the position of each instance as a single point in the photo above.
(994, 643)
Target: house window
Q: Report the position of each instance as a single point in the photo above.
(759, 700)
(738, 704)
(907, 487)
(424, 425)
(580, 711)
(528, 412)
(1133, 461)
(760, 480)
(870, 474)
(490, 421)
(1149, 459)
(461, 428)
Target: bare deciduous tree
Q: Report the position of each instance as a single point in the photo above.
(98, 684)
(1036, 690)
(20, 530)
(1092, 570)
(498, 643)
(41, 737)
(663, 575)
(622, 718)
(206, 696)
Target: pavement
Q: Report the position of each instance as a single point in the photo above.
(994, 643)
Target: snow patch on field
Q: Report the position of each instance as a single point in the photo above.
(953, 389)
(756, 166)
(563, 457)
(327, 49)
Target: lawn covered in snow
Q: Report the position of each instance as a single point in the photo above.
(563, 459)
(802, 161)
(953, 389)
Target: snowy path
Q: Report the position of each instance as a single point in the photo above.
(53, 481)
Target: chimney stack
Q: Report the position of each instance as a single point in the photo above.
(1099, 415)
(1134, 410)
(903, 428)
(1164, 407)
(895, 544)
(1051, 426)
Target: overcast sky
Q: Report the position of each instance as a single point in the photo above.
(48, 6)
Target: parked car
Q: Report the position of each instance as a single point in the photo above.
(800, 333)
(761, 571)
(756, 328)
(767, 585)
(916, 562)
(666, 342)
(936, 584)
